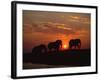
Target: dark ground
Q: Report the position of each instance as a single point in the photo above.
(65, 58)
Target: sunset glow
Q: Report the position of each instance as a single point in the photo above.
(65, 46)
(43, 27)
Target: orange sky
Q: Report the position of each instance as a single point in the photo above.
(41, 27)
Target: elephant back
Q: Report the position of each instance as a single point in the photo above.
(51, 45)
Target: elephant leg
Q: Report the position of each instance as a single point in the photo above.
(79, 46)
(50, 49)
(45, 50)
(74, 47)
(70, 47)
(57, 49)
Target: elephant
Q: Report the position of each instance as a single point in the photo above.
(55, 45)
(38, 50)
(76, 43)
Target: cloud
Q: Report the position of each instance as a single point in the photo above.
(82, 33)
(63, 27)
(27, 28)
(80, 19)
(75, 17)
(51, 28)
(48, 28)
(58, 25)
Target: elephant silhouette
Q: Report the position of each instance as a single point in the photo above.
(38, 50)
(55, 46)
(75, 43)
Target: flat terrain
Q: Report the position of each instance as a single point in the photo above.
(64, 58)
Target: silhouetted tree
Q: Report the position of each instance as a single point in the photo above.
(76, 43)
(55, 45)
